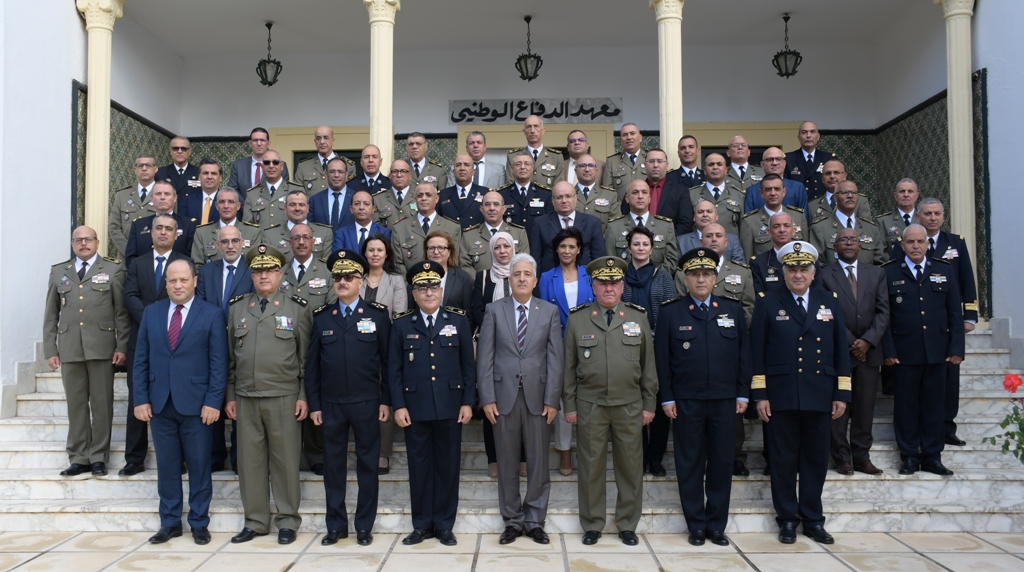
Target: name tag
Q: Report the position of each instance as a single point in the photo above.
(824, 314)
(448, 331)
(724, 321)
(951, 253)
(899, 283)
(587, 337)
(366, 326)
(327, 333)
(101, 278)
(685, 328)
(771, 279)
(937, 278)
(781, 318)
(631, 329)
(536, 203)
(193, 183)
(283, 323)
(412, 336)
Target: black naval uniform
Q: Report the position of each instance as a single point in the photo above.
(767, 273)
(703, 360)
(523, 211)
(801, 365)
(432, 375)
(346, 380)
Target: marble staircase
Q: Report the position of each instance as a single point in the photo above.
(985, 495)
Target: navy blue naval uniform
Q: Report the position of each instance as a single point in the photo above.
(346, 379)
(703, 361)
(433, 376)
(801, 364)
(926, 325)
(522, 210)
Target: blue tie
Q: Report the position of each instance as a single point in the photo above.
(159, 270)
(336, 210)
(227, 285)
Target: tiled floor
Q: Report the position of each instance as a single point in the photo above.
(903, 552)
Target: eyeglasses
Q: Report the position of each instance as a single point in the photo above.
(145, 165)
(845, 193)
(433, 288)
(347, 277)
(773, 159)
(586, 166)
(437, 248)
(258, 140)
(227, 202)
(182, 149)
(400, 171)
(578, 140)
(274, 162)
(301, 238)
(229, 241)
(847, 240)
(84, 240)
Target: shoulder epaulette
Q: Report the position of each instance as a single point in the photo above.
(111, 260)
(664, 218)
(751, 213)
(236, 298)
(635, 306)
(253, 187)
(273, 226)
(402, 314)
(300, 300)
(577, 308)
(472, 227)
(727, 297)
(890, 261)
(667, 302)
(450, 220)
(616, 218)
(379, 306)
(208, 224)
(252, 224)
(323, 259)
(320, 309)
(514, 225)
(738, 263)
(62, 263)
(321, 224)
(381, 192)
(835, 294)
(869, 221)
(761, 294)
(514, 151)
(608, 188)
(613, 155)
(542, 186)
(797, 209)
(456, 311)
(884, 214)
(821, 218)
(436, 163)
(125, 188)
(696, 186)
(946, 262)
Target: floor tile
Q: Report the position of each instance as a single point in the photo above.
(526, 562)
(268, 543)
(428, 563)
(184, 543)
(105, 542)
(866, 562)
(958, 562)
(346, 562)
(157, 562)
(608, 543)
(866, 542)
(702, 562)
(944, 542)
(65, 561)
(31, 541)
(489, 545)
(640, 562)
(1008, 542)
(235, 562)
(769, 542)
(381, 543)
(466, 545)
(792, 562)
(9, 560)
(677, 544)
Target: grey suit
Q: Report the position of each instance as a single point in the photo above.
(521, 383)
(494, 176)
(690, 240)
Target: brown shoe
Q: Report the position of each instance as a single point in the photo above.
(868, 468)
(492, 470)
(844, 468)
(565, 465)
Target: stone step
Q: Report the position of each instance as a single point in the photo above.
(985, 379)
(987, 358)
(979, 339)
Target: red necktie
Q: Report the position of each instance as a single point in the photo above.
(175, 328)
(259, 172)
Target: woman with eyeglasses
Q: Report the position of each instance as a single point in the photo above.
(457, 285)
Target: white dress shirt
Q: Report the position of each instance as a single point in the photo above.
(91, 261)
(184, 312)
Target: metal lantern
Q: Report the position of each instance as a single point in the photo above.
(787, 60)
(529, 63)
(269, 69)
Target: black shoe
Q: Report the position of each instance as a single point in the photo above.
(99, 469)
(318, 469)
(739, 469)
(74, 470)
(363, 537)
(201, 535)
(629, 537)
(647, 468)
(952, 439)
(539, 536)
(246, 535)
(510, 535)
(787, 534)
(131, 469)
(658, 470)
(696, 537)
(817, 532)
(384, 470)
(333, 536)
(590, 537)
(936, 468)
(718, 538)
(164, 534)
(184, 469)
(767, 471)
(285, 536)
(417, 536)
(447, 538)
(216, 467)
(909, 467)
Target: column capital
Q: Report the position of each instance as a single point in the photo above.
(100, 13)
(383, 10)
(951, 8)
(667, 9)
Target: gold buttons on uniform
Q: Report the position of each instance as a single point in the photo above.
(431, 355)
(819, 351)
(81, 286)
(818, 372)
(799, 371)
(80, 310)
(819, 339)
(433, 367)
(800, 359)
(922, 313)
(81, 323)
(924, 327)
(799, 349)
(81, 297)
(800, 339)
(433, 379)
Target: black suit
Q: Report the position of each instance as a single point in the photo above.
(140, 290)
(674, 204)
(523, 211)
(181, 181)
(546, 227)
(799, 170)
(458, 290)
(867, 316)
(140, 239)
(465, 211)
(320, 208)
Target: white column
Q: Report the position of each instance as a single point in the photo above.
(669, 16)
(382, 66)
(100, 16)
(958, 15)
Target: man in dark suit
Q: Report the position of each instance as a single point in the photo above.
(668, 200)
(461, 201)
(925, 336)
(525, 199)
(247, 172)
(689, 174)
(182, 174)
(773, 161)
(200, 204)
(519, 372)
(702, 391)
(865, 302)
(798, 399)
(144, 286)
(347, 387)
(805, 164)
(352, 236)
(180, 376)
(140, 239)
(563, 197)
(371, 180)
(332, 206)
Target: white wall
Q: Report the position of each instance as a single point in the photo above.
(146, 75)
(909, 60)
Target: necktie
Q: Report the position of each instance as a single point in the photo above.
(462, 192)
(272, 189)
(931, 247)
(174, 330)
(717, 193)
(476, 172)
(348, 314)
(426, 226)
(302, 272)
(494, 231)
(181, 171)
(917, 272)
(800, 304)
(586, 193)
(632, 158)
(81, 271)
(639, 221)
(430, 325)
(853, 280)
(810, 157)
(522, 192)
(362, 237)
(263, 305)
(832, 202)
(743, 171)
(906, 219)
(566, 222)
(535, 155)
(522, 326)
(570, 172)
(159, 269)
(142, 195)
(228, 283)
(703, 307)
(399, 195)
(206, 210)
(849, 222)
(336, 209)
(505, 288)
(324, 162)
(259, 175)
(610, 314)
(417, 168)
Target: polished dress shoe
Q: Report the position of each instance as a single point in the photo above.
(215, 467)
(363, 537)
(936, 468)
(787, 534)
(333, 536)
(246, 535)
(868, 468)
(628, 537)
(817, 532)
(131, 469)
(658, 470)
(74, 470)
(766, 471)
(565, 464)
(285, 536)
(844, 468)
(696, 537)
(739, 469)
(201, 535)
(99, 469)
(318, 469)
(164, 534)
(539, 536)
(952, 439)
(909, 467)
(510, 535)
(590, 537)
(417, 536)
(447, 538)
(385, 469)
(718, 538)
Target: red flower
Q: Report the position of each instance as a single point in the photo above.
(1011, 382)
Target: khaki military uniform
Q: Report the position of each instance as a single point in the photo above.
(433, 173)
(602, 202)
(84, 323)
(872, 243)
(475, 251)
(619, 172)
(548, 168)
(665, 251)
(279, 236)
(262, 209)
(610, 380)
(729, 204)
(126, 209)
(752, 176)
(204, 244)
(754, 227)
(268, 354)
(734, 282)
(316, 286)
(819, 207)
(892, 225)
(388, 212)
(407, 238)
(311, 175)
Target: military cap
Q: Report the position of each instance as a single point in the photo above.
(607, 268)
(425, 273)
(264, 257)
(798, 253)
(699, 258)
(347, 262)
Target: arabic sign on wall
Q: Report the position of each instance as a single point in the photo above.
(572, 110)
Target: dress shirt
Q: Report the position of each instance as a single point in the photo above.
(184, 312)
(305, 265)
(843, 220)
(572, 219)
(224, 275)
(167, 257)
(570, 171)
(854, 266)
(744, 166)
(646, 215)
(91, 261)
(331, 199)
(515, 306)
(148, 188)
(656, 187)
(351, 307)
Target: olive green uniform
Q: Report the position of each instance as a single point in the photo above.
(388, 212)
(407, 238)
(610, 380)
(819, 207)
(729, 204)
(872, 244)
(475, 251)
(125, 209)
(892, 225)
(619, 172)
(311, 175)
(754, 230)
(279, 236)
(433, 173)
(204, 245)
(268, 356)
(751, 176)
(262, 209)
(601, 202)
(665, 251)
(548, 168)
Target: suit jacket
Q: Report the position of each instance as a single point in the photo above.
(796, 196)
(867, 313)
(241, 177)
(458, 291)
(752, 175)
(347, 236)
(679, 177)
(191, 206)
(675, 204)
(799, 170)
(211, 283)
(690, 240)
(502, 368)
(193, 374)
(391, 292)
(183, 184)
(546, 227)
(482, 294)
(141, 289)
(952, 248)
(466, 211)
(320, 208)
(86, 319)
(140, 239)
(925, 319)
(552, 289)
(524, 211)
(494, 176)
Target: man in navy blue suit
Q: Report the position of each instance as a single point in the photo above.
(353, 235)
(200, 203)
(180, 376)
(182, 174)
(140, 239)
(545, 228)
(331, 205)
(461, 201)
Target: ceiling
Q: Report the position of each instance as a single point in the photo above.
(197, 27)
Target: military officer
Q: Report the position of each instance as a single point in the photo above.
(371, 179)
(408, 235)
(312, 171)
(85, 334)
(204, 244)
(435, 344)
(805, 164)
(754, 235)
(833, 173)
(474, 253)
(132, 203)
(461, 201)
(592, 199)
(824, 229)
(892, 223)
(702, 391)
(265, 203)
(548, 165)
(525, 200)
(733, 280)
(278, 235)
(689, 173)
(346, 382)
(801, 382)
(665, 251)
(740, 173)
(182, 174)
(423, 170)
(627, 166)
(307, 276)
(266, 397)
(728, 199)
(397, 202)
